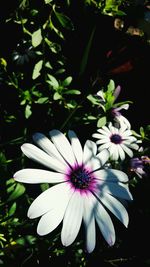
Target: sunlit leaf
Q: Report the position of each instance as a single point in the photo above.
(47, 1)
(57, 96)
(94, 100)
(53, 82)
(72, 92)
(37, 38)
(37, 68)
(42, 100)
(28, 111)
(67, 81)
(101, 122)
(111, 86)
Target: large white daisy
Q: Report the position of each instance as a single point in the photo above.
(119, 141)
(82, 190)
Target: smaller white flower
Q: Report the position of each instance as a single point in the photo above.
(118, 117)
(118, 141)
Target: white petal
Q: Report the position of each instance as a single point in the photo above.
(104, 130)
(103, 141)
(115, 155)
(98, 161)
(115, 207)
(113, 129)
(41, 157)
(127, 150)
(112, 149)
(116, 189)
(111, 175)
(35, 176)
(89, 151)
(49, 199)
(102, 137)
(63, 146)
(134, 146)
(121, 152)
(105, 224)
(104, 146)
(103, 156)
(42, 141)
(72, 219)
(89, 222)
(122, 120)
(53, 218)
(76, 146)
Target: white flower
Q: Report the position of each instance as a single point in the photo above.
(82, 190)
(119, 141)
(120, 118)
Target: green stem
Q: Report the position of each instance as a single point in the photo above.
(69, 117)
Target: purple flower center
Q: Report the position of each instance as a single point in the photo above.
(116, 138)
(80, 178)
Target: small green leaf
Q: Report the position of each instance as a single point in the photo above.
(53, 82)
(101, 122)
(12, 209)
(19, 190)
(72, 92)
(42, 100)
(111, 86)
(91, 118)
(142, 132)
(67, 81)
(37, 69)
(60, 71)
(47, 1)
(28, 111)
(48, 65)
(59, 33)
(44, 186)
(37, 38)
(57, 96)
(94, 100)
(64, 20)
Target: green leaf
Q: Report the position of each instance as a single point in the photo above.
(67, 81)
(12, 209)
(72, 92)
(37, 69)
(94, 100)
(58, 32)
(28, 111)
(37, 38)
(53, 82)
(64, 20)
(91, 118)
(111, 86)
(57, 96)
(48, 65)
(47, 1)
(101, 122)
(142, 132)
(60, 71)
(44, 186)
(42, 100)
(19, 190)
